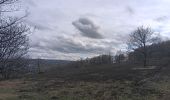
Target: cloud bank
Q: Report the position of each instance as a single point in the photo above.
(74, 29)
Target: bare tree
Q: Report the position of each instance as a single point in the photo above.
(140, 39)
(13, 42)
(119, 57)
(13, 46)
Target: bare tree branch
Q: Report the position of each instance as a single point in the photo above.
(139, 39)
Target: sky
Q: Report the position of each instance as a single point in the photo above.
(74, 29)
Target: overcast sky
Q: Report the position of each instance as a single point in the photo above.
(74, 29)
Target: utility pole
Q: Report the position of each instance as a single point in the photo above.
(38, 65)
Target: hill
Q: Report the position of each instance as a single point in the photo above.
(96, 79)
(46, 64)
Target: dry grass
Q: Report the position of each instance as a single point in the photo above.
(96, 83)
(55, 89)
(7, 89)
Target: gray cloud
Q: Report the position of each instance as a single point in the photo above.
(87, 28)
(71, 44)
(162, 18)
(31, 3)
(130, 10)
(38, 25)
(75, 46)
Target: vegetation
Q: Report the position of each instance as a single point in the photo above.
(140, 74)
(13, 41)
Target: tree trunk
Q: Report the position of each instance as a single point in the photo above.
(145, 59)
(145, 56)
(145, 62)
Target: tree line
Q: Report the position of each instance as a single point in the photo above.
(144, 48)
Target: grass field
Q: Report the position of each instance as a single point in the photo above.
(57, 89)
(86, 83)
